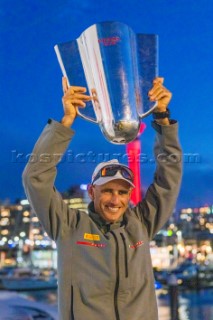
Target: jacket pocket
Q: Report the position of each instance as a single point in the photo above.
(87, 301)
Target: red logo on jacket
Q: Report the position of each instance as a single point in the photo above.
(136, 245)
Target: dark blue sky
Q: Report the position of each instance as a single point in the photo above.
(30, 84)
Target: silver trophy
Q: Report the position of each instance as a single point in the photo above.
(117, 67)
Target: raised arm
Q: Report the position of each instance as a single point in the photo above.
(40, 172)
(160, 199)
(161, 196)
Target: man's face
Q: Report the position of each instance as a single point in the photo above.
(111, 199)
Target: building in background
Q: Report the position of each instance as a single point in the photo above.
(23, 241)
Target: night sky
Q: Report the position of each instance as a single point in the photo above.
(30, 85)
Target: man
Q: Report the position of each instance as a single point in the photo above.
(104, 264)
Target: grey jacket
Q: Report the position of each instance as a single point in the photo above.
(104, 270)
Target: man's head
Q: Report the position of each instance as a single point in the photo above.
(110, 189)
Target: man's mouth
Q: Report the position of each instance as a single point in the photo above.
(113, 209)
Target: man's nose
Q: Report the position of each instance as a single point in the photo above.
(115, 198)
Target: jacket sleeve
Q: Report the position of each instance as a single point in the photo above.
(39, 177)
(160, 199)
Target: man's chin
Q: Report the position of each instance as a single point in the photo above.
(112, 217)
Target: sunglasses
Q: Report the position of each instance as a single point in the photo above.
(111, 170)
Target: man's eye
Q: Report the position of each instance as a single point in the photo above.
(122, 192)
(107, 191)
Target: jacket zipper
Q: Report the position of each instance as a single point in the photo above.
(117, 277)
(72, 298)
(125, 255)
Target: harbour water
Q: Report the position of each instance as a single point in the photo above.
(193, 305)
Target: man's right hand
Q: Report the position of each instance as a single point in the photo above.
(73, 98)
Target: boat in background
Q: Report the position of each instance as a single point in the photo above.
(16, 307)
(20, 279)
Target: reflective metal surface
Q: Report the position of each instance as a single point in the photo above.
(117, 67)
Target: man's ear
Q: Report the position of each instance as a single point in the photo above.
(90, 190)
(130, 192)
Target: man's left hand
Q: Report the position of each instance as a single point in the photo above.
(160, 94)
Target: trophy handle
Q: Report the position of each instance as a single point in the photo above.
(71, 67)
(147, 47)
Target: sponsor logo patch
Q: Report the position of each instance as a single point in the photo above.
(93, 237)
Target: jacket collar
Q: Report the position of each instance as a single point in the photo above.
(104, 225)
